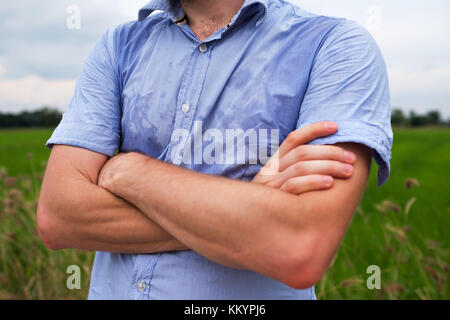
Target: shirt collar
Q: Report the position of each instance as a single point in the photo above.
(177, 13)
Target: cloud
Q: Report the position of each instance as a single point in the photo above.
(37, 40)
(2, 70)
(434, 81)
(34, 92)
(421, 89)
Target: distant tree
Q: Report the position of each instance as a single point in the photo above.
(416, 120)
(434, 118)
(44, 117)
(398, 118)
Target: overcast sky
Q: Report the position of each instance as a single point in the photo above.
(40, 57)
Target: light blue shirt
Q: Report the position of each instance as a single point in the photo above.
(274, 68)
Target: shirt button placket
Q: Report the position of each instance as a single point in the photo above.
(190, 94)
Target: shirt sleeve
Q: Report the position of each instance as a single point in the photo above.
(92, 120)
(349, 85)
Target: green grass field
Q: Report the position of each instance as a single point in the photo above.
(401, 230)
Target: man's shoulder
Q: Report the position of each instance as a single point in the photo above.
(132, 30)
(289, 16)
(322, 30)
(292, 13)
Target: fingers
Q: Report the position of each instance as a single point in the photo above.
(298, 185)
(313, 152)
(307, 134)
(332, 168)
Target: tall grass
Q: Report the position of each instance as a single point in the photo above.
(28, 270)
(401, 227)
(412, 266)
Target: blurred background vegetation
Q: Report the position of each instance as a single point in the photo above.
(47, 117)
(402, 227)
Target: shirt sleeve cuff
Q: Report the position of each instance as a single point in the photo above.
(368, 134)
(74, 134)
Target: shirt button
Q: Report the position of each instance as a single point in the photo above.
(185, 107)
(141, 285)
(203, 48)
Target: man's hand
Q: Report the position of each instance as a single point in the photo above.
(112, 172)
(298, 168)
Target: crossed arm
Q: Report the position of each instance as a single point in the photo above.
(268, 227)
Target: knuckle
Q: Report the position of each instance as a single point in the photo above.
(312, 183)
(340, 151)
(337, 167)
(326, 151)
(319, 127)
(317, 180)
(300, 153)
(299, 168)
(337, 154)
(289, 185)
(315, 125)
(292, 136)
(332, 149)
(271, 183)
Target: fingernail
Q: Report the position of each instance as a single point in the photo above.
(348, 168)
(330, 125)
(350, 156)
(327, 180)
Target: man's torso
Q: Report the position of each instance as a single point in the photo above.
(251, 77)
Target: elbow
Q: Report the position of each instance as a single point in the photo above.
(304, 276)
(47, 228)
(303, 264)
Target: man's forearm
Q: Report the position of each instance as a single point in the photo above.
(222, 219)
(97, 220)
(74, 212)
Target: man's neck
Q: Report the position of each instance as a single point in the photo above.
(205, 17)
